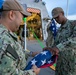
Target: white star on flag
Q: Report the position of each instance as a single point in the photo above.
(33, 62)
(44, 53)
(53, 28)
(52, 24)
(43, 62)
(50, 61)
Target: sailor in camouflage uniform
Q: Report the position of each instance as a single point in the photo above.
(65, 42)
(12, 56)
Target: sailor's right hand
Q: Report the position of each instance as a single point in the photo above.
(36, 69)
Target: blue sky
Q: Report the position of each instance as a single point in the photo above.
(50, 4)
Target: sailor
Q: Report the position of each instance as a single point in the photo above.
(12, 56)
(64, 43)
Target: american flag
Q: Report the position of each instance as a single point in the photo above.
(53, 28)
(42, 60)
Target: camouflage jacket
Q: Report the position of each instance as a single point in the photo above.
(50, 38)
(9, 65)
(66, 43)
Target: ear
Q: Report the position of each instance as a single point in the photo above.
(11, 15)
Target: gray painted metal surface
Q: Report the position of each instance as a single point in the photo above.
(44, 13)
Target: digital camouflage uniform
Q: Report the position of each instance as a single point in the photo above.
(50, 38)
(9, 65)
(65, 41)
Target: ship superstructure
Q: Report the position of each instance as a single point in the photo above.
(36, 21)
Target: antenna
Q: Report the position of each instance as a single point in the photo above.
(25, 32)
(67, 8)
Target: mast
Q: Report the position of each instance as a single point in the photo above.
(67, 7)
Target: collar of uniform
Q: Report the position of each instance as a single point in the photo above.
(64, 26)
(14, 36)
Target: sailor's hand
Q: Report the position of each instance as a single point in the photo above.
(55, 51)
(36, 69)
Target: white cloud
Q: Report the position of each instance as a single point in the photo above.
(50, 4)
(71, 17)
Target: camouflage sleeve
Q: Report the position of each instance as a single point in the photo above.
(26, 72)
(71, 40)
(8, 64)
(50, 38)
(29, 72)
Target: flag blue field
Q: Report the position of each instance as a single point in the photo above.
(53, 28)
(42, 60)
